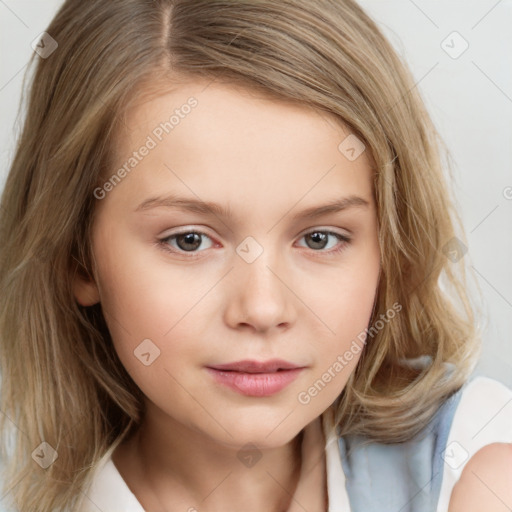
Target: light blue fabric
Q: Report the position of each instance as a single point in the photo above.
(402, 477)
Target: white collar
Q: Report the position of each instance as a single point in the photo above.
(336, 490)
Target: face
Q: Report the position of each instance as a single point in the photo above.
(255, 276)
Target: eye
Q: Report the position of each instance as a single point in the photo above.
(319, 240)
(186, 241)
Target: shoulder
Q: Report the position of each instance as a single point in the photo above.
(474, 421)
(484, 409)
(485, 481)
(478, 444)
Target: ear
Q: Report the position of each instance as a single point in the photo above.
(85, 289)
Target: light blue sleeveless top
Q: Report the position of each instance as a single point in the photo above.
(402, 477)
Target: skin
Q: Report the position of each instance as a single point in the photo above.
(267, 160)
(485, 483)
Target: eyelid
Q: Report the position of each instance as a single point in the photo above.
(325, 229)
(203, 230)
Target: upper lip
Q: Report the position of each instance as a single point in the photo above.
(250, 366)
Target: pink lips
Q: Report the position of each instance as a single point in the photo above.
(253, 378)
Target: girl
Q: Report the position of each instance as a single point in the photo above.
(304, 353)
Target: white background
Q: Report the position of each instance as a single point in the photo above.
(469, 98)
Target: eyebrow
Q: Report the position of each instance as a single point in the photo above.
(211, 208)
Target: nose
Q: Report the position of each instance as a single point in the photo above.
(258, 294)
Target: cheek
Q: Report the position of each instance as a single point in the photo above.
(347, 317)
(346, 309)
(151, 311)
(144, 296)
(346, 299)
(355, 298)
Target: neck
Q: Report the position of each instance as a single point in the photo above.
(173, 464)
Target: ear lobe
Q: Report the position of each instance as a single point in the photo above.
(85, 290)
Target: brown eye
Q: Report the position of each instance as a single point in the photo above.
(186, 241)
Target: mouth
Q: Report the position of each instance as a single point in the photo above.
(251, 366)
(253, 378)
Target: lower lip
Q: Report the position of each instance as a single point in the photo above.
(255, 384)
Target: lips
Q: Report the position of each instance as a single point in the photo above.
(254, 378)
(250, 366)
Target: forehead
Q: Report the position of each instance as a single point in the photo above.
(234, 142)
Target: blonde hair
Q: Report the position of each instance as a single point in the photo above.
(62, 381)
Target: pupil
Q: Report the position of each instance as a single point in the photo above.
(190, 238)
(318, 239)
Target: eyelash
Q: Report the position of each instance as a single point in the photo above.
(162, 243)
